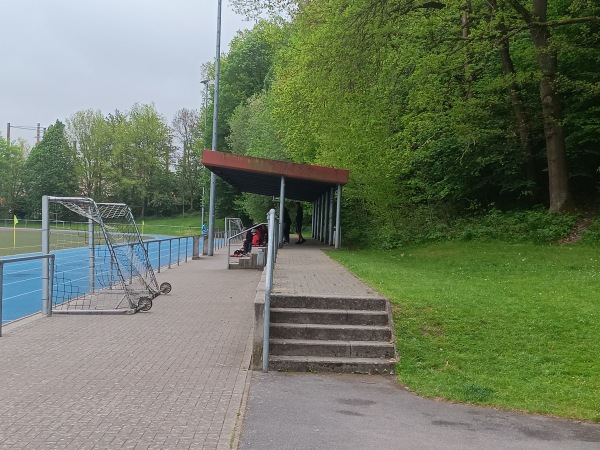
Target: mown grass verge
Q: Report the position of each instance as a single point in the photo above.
(26, 237)
(510, 325)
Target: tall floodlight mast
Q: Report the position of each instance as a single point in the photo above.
(205, 83)
(213, 179)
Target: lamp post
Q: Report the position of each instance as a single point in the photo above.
(205, 83)
(213, 179)
(202, 219)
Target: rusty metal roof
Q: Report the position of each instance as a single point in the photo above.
(303, 182)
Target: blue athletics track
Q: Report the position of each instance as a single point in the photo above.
(22, 281)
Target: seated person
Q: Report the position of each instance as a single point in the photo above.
(247, 241)
(257, 237)
(265, 238)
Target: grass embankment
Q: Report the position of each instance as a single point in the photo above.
(511, 325)
(172, 226)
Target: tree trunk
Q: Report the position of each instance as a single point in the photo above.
(523, 123)
(466, 31)
(558, 174)
(556, 148)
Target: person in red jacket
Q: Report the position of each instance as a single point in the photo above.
(257, 237)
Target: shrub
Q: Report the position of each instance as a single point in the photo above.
(591, 235)
(422, 225)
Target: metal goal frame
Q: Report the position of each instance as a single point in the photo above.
(124, 283)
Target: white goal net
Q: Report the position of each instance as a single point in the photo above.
(101, 261)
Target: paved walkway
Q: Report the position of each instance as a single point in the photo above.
(305, 270)
(173, 377)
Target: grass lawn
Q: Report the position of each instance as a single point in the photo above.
(513, 326)
(22, 241)
(28, 239)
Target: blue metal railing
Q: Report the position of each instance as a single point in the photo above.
(22, 286)
(21, 273)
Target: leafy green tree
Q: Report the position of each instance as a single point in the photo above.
(447, 106)
(254, 133)
(142, 157)
(187, 133)
(12, 164)
(254, 9)
(253, 130)
(118, 183)
(245, 71)
(88, 131)
(50, 169)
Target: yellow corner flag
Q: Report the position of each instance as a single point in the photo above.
(15, 222)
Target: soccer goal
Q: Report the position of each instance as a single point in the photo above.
(101, 261)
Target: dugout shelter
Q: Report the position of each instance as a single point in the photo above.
(301, 182)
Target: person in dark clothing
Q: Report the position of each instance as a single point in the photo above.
(247, 241)
(299, 219)
(287, 224)
(265, 235)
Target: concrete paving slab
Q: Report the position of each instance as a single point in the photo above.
(305, 270)
(173, 377)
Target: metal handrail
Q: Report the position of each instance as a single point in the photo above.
(239, 234)
(271, 257)
(229, 221)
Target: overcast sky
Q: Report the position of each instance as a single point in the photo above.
(62, 56)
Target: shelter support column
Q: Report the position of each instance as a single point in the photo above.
(330, 231)
(324, 220)
(338, 224)
(281, 206)
(316, 212)
(314, 218)
(319, 210)
(325, 216)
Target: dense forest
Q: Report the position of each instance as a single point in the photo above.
(439, 110)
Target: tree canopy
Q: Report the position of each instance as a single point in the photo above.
(437, 108)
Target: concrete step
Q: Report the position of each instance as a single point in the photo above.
(328, 302)
(331, 364)
(330, 332)
(244, 262)
(346, 349)
(329, 316)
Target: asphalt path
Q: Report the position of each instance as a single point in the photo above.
(344, 411)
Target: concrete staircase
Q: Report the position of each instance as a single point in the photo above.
(256, 260)
(331, 334)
